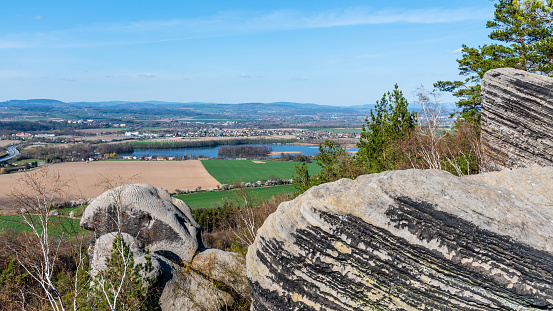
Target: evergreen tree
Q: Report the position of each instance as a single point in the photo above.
(389, 123)
(526, 26)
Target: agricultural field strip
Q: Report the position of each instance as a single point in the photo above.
(229, 171)
(58, 225)
(216, 198)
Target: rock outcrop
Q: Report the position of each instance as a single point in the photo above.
(192, 278)
(517, 119)
(162, 223)
(409, 240)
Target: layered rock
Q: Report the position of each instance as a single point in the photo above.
(162, 223)
(149, 218)
(517, 119)
(407, 240)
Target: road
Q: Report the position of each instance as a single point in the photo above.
(12, 152)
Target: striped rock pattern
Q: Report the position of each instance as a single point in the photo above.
(517, 119)
(405, 240)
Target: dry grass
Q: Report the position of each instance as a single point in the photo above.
(84, 178)
(5, 143)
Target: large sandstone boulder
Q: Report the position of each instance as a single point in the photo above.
(408, 240)
(148, 218)
(517, 119)
(162, 223)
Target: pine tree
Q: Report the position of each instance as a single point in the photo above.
(389, 123)
(526, 29)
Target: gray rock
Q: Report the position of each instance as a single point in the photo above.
(223, 267)
(406, 240)
(190, 291)
(517, 119)
(164, 224)
(103, 249)
(192, 278)
(213, 280)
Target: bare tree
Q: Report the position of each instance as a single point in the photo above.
(118, 255)
(433, 146)
(429, 135)
(37, 195)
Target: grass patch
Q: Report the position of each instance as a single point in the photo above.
(57, 227)
(229, 171)
(216, 198)
(29, 161)
(77, 211)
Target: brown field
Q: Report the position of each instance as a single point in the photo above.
(4, 143)
(85, 178)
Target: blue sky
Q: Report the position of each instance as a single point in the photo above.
(323, 52)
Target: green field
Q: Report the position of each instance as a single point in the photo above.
(58, 225)
(216, 198)
(229, 171)
(28, 161)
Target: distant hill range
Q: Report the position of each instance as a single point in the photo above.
(150, 103)
(152, 110)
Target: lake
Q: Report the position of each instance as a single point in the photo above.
(211, 152)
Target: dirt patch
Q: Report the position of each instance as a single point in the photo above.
(85, 177)
(5, 143)
(260, 162)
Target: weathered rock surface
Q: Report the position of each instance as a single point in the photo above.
(192, 278)
(162, 223)
(214, 279)
(103, 249)
(517, 119)
(407, 240)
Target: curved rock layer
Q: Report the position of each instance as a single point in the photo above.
(404, 240)
(517, 119)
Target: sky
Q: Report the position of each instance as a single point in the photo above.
(337, 53)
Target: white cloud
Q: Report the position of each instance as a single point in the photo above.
(147, 75)
(457, 51)
(245, 76)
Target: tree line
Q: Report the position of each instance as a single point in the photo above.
(244, 151)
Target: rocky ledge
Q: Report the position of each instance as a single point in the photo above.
(409, 240)
(517, 119)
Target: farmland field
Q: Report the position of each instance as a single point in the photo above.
(58, 225)
(229, 171)
(215, 198)
(85, 179)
